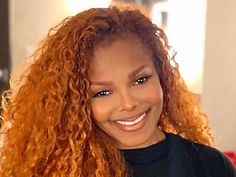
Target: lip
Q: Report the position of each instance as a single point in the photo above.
(131, 118)
(134, 127)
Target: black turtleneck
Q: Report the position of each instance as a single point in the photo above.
(177, 157)
(150, 161)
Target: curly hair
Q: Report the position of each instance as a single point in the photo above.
(52, 132)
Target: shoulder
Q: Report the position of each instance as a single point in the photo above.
(213, 161)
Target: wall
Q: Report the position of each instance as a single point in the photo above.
(185, 28)
(31, 20)
(219, 82)
(29, 23)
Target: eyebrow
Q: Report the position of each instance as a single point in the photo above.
(136, 71)
(107, 83)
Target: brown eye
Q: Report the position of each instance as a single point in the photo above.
(102, 93)
(141, 80)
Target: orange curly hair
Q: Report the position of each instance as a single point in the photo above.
(52, 132)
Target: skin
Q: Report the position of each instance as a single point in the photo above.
(125, 87)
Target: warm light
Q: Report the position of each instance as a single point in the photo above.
(75, 6)
(184, 24)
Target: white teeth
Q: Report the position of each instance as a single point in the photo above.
(129, 123)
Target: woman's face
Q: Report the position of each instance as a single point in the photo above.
(127, 97)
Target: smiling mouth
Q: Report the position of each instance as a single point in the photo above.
(130, 123)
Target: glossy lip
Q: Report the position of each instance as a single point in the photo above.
(132, 118)
(129, 123)
(136, 126)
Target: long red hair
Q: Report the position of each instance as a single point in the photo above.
(52, 132)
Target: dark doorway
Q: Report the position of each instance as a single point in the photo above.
(4, 45)
(4, 50)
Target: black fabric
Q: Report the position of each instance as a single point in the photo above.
(177, 157)
(147, 158)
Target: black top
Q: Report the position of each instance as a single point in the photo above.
(150, 161)
(177, 157)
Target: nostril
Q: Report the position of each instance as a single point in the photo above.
(130, 107)
(128, 102)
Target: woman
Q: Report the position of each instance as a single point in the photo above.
(99, 101)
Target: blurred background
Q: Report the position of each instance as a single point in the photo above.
(203, 32)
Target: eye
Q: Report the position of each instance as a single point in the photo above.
(141, 80)
(102, 93)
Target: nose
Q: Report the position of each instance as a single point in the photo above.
(128, 101)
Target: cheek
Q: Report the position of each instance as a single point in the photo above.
(157, 94)
(101, 111)
(153, 93)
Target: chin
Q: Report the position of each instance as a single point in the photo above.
(135, 143)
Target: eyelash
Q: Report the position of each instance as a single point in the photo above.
(142, 79)
(139, 81)
(102, 93)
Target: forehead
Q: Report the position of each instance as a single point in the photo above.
(120, 54)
